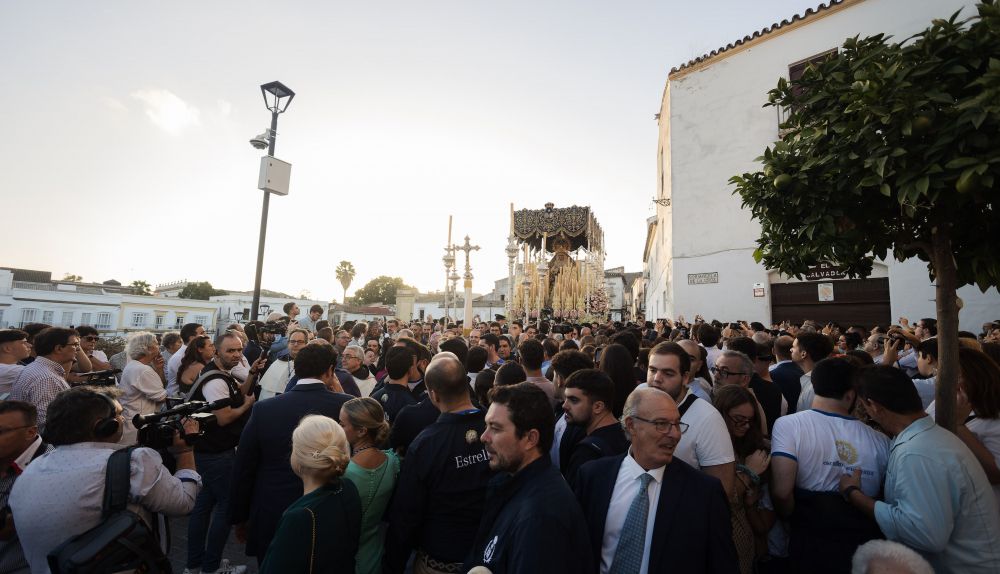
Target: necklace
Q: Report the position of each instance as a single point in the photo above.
(358, 451)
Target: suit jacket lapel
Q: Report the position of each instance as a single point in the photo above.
(666, 509)
(604, 487)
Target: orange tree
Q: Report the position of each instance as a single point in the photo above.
(891, 149)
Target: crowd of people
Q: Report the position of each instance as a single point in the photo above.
(437, 447)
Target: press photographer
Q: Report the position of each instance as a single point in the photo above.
(215, 450)
(85, 426)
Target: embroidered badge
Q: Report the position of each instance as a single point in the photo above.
(471, 436)
(488, 554)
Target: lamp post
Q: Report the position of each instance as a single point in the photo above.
(543, 274)
(511, 257)
(454, 292)
(277, 96)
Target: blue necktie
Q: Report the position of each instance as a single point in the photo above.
(628, 554)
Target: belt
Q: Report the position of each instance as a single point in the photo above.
(450, 567)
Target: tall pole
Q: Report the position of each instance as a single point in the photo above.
(467, 320)
(449, 261)
(254, 308)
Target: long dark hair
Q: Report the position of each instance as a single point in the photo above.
(704, 371)
(728, 397)
(981, 380)
(192, 354)
(616, 362)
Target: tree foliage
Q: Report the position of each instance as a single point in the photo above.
(141, 287)
(381, 289)
(72, 277)
(345, 274)
(200, 290)
(890, 149)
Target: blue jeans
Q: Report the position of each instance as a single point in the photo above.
(208, 524)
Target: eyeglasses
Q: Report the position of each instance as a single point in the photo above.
(92, 338)
(740, 421)
(4, 431)
(663, 426)
(724, 372)
(76, 344)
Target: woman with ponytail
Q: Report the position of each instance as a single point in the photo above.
(320, 531)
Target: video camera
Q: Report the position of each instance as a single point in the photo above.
(102, 378)
(258, 334)
(156, 430)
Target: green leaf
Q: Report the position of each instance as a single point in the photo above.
(922, 184)
(886, 191)
(961, 162)
(757, 255)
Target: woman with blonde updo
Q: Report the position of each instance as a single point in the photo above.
(320, 531)
(373, 472)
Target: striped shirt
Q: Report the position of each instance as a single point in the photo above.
(38, 384)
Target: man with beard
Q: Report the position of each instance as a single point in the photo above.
(215, 454)
(590, 396)
(707, 445)
(531, 522)
(648, 494)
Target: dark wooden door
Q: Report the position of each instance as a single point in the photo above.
(855, 302)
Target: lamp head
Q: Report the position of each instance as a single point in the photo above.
(277, 96)
(260, 141)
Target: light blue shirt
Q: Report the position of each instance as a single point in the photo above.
(939, 502)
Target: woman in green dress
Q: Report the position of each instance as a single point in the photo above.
(373, 472)
(320, 531)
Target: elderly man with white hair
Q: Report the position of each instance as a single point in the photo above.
(888, 557)
(142, 387)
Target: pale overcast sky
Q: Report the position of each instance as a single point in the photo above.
(126, 125)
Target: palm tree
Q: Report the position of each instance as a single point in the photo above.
(345, 274)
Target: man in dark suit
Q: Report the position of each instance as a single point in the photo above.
(631, 499)
(786, 374)
(263, 482)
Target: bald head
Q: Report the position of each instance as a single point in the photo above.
(647, 399)
(446, 377)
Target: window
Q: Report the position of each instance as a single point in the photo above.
(103, 321)
(85, 318)
(67, 318)
(201, 319)
(179, 322)
(47, 317)
(159, 321)
(28, 316)
(138, 319)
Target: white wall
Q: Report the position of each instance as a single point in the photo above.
(713, 125)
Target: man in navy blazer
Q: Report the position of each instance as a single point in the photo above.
(263, 482)
(686, 525)
(786, 374)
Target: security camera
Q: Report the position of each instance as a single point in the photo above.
(260, 141)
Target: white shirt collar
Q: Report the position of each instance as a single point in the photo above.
(26, 456)
(634, 470)
(309, 382)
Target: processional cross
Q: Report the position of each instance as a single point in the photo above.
(467, 248)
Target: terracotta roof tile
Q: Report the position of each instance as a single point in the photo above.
(773, 27)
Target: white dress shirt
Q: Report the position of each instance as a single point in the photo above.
(626, 488)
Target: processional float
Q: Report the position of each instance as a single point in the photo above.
(555, 265)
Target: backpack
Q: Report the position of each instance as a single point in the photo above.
(122, 541)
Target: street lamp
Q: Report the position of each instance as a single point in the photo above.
(277, 96)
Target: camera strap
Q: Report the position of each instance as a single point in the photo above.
(206, 376)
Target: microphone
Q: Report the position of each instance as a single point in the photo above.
(188, 408)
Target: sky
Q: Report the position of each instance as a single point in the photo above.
(127, 124)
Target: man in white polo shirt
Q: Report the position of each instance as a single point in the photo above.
(706, 444)
(810, 451)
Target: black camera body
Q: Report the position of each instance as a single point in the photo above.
(156, 430)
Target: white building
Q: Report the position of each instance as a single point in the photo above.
(698, 254)
(235, 306)
(28, 296)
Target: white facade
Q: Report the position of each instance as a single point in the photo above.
(234, 306)
(712, 125)
(105, 308)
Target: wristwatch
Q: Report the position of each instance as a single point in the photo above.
(847, 492)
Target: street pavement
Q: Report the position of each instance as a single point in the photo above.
(178, 548)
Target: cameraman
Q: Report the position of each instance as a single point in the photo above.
(142, 388)
(215, 451)
(59, 495)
